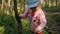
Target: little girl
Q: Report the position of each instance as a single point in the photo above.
(37, 20)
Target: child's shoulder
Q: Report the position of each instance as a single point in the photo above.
(40, 12)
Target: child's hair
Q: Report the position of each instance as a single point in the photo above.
(33, 9)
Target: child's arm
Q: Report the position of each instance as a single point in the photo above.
(42, 22)
(25, 14)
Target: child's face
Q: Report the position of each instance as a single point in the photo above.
(33, 9)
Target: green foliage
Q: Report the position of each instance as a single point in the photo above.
(2, 29)
(25, 26)
(9, 24)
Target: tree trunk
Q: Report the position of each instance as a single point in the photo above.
(4, 6)
(10, 7)
(17, 17)
(56, 2)
(3, 1)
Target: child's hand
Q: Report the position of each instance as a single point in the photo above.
(38, 29)
(21, 15)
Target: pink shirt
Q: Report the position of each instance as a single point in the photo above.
(37, 20)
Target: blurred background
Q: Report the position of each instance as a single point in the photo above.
(8, 21)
